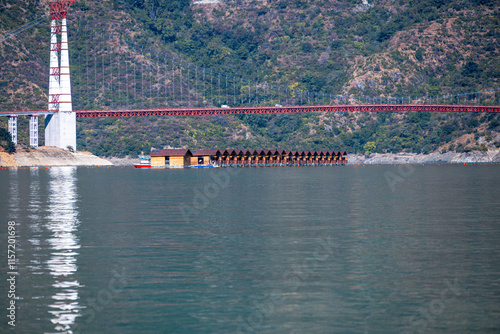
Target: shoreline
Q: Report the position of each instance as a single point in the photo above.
(53, 157)
(121, 162)
(46, 156)
(431, 158)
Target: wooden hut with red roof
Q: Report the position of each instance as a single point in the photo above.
(172, 158)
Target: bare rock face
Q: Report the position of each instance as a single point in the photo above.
(496, 157)
(412, 158)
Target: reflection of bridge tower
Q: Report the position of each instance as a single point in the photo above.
(60, 127)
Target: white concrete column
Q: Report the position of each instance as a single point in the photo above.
(60, 127)
(65, 82)
(67, 116)
(54, 68)
(52, 126)
(13, 128)
(34, 130)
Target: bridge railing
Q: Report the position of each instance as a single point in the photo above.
(111, 72)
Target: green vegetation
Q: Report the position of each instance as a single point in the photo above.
(6, 141)
(403, 48)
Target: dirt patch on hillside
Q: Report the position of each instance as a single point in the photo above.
(8, 160)
(51, 156)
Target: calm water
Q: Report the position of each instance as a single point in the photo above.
(353, 249)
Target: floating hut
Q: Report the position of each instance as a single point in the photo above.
(179, 158)
(174, 158)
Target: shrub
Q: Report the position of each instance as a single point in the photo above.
(6, 141)
(419, 54)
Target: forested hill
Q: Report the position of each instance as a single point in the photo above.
(367, 48)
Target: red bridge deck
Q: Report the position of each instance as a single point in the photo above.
(266, 110)
(284, 109)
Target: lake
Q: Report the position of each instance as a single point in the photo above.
(346, 249)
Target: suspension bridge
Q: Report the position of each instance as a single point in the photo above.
(114, 77)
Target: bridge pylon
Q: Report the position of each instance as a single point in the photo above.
(60, 125)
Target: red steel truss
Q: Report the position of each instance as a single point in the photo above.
(266, 110)
(284, 109)
(59, 8)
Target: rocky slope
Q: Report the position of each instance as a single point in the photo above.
(412, 158)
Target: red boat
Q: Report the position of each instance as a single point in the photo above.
(143, 163)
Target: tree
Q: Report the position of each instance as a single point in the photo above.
(470, 69)
(419, 54)
(369, 147)
(6, 141)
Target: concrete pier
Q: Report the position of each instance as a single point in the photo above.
(13, 128)
(34, 130)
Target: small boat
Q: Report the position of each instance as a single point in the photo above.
(204, 166)
(143, 163)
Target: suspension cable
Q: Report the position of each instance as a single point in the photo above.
(23, 28)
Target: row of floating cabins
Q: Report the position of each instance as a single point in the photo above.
(179, 158)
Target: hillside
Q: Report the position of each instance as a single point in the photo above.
(375, 49)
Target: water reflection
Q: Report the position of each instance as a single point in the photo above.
(63, 222)
(14, 197)
(35, 219)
